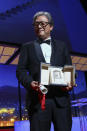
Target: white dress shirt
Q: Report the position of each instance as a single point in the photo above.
(46, 50)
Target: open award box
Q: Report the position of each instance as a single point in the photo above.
(58, 76)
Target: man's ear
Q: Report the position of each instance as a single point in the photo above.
(51, 28)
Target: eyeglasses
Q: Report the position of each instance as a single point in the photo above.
(41, 23)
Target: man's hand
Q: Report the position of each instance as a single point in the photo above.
(35, 85)
(68, 88)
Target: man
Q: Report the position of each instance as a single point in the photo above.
(57, 101)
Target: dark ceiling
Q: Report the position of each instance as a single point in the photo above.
(69, 17)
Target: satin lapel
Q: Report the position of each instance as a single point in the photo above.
(52, 60)
(38, 52)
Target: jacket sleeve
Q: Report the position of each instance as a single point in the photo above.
(22, 74)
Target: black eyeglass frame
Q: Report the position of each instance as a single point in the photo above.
(42, 23)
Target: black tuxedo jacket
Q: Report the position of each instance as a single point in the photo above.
(28, 70)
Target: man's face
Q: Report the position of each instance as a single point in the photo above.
(42, 27)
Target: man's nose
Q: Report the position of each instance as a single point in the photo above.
(39, 26)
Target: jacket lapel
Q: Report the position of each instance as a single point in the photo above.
(52, 59)
(38, 52)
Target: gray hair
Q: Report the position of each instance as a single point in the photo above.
(47, 14)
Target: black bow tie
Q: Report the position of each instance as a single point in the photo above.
(45, 41)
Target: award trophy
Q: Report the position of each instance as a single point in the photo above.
(58, 76)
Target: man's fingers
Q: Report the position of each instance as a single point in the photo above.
(68, 88)
(34, 85)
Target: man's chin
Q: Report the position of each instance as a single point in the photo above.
(41, 36)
